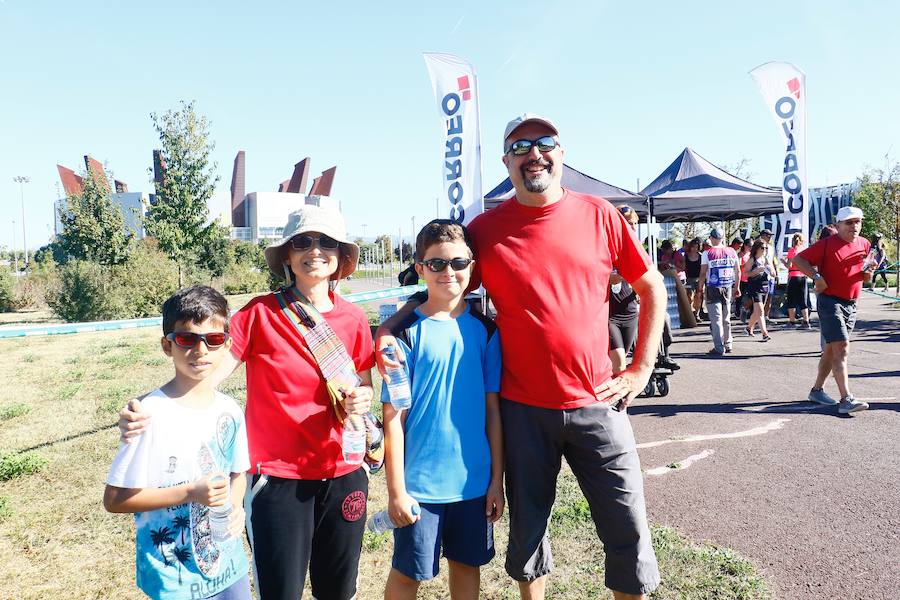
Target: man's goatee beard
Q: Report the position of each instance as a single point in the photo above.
(537, 185)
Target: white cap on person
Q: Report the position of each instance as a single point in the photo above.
(849, 212)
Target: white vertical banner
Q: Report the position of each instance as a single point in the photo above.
(455, 88)
(783, 87)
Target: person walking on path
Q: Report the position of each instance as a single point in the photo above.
(766, 236)
(797, 294)
(881, 261)
(745, 305)
(838, 265)
(692, 274)
(546, 256)
(758, 271)
(720, 277)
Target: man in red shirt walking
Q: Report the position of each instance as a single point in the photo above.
(837, 265)
(545, 257)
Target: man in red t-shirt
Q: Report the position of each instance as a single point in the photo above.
(545, 257)
(837, 265)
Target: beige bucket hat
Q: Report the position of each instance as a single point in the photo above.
(309, 218)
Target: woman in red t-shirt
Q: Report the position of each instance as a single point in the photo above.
(797, 291)
(306, 506)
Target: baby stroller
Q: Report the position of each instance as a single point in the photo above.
(658, 384)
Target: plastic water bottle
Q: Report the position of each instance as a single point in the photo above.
(353, 440)
(219, 516)
(381, 522)
(398, 388)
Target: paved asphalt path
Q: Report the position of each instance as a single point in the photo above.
(811, 497)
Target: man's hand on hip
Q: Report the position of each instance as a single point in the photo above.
(622, 389)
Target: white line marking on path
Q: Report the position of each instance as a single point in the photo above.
(772, 426)
(681, 464)
(781, 408)
(881, 398)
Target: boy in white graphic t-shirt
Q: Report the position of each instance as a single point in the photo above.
(179, 473)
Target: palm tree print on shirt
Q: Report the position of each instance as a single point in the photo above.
(181, 523)
(182, 555)
(161, 536)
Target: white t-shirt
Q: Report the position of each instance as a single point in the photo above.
(176, 556)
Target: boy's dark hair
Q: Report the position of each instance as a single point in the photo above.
(439, 231)
(196, 304)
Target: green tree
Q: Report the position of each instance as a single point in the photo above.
(93, 228)
(216, 254)
(879, 199)
(179, 219)
(6, 290)
(407, 252)
(383, 248)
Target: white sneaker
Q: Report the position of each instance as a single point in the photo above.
(851, 405)
(820, 397)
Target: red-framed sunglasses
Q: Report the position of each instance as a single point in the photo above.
(189, 339)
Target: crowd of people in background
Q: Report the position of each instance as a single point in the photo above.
(746, 272)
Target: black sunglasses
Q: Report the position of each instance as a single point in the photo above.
(189, 339)
(436, 265)
(522, 147)
(305, 242)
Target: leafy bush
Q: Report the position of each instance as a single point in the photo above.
(15, 464)
(144, 282)
(32, 290)
(16, 409)
(6, 290)
(87, 291)
(83, 293)
(240, 278)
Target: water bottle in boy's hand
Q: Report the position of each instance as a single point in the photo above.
(219, 516)
(381, 522)
(398, 388)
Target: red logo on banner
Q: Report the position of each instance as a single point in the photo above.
(354, 506)
(794, 86)
(464, 90)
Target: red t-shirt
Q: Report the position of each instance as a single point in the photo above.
(743, 258)
(792, 272)
(547, 271)
(840, 264)
(291, 426)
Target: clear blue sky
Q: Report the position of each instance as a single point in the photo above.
(629, 84)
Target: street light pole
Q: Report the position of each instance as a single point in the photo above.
(22, 180)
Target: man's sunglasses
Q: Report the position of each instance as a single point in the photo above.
(522, 147)
(437, 265)
(189, 339)
(305, 242)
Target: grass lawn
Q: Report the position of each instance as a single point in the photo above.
(59, 402)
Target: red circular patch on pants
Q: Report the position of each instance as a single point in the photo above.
(354, 506)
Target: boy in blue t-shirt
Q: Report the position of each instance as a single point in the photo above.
(445, 453)
(174, 475)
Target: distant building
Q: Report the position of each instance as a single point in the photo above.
(262, 215)
(133, 205)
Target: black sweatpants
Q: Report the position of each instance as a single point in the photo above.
(296, 524)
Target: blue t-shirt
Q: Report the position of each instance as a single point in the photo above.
(452, 364)
(176, 555)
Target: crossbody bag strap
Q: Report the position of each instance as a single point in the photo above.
(331, 357)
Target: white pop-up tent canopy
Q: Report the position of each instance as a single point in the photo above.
(694, 189)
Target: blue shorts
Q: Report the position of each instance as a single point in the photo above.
(461, 528)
